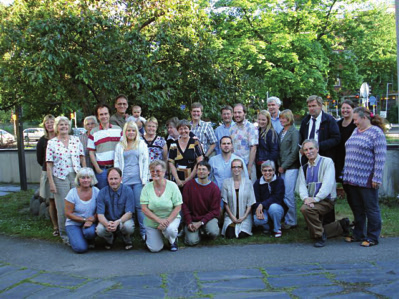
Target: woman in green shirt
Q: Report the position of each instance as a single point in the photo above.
(161, 203)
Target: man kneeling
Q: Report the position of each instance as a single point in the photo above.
(201, 206)
(115, 207)
(316, 184)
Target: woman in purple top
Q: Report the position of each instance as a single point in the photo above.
(364, 165)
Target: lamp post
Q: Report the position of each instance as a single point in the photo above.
(386, 104)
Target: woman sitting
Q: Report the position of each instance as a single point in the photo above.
(161, 203)
(238, 194)
(80, 211)
(269, 194)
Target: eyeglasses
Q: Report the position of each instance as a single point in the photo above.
(267, 170)
(236, 167)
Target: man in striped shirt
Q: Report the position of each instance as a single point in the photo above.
(101, 144)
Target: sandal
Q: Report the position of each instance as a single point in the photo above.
(56, 232)
(368, 243)
(351, 239)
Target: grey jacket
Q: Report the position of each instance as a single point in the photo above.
(289, 149)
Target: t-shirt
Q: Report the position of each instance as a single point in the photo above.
(161, 206)
(82, 208)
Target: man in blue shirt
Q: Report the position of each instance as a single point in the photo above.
(115, 208)
(224, 128)
(221, 164)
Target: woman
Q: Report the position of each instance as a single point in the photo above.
(156, 144)
(184, 154)
(161, 203)
(346, 127)
(89, 123)
(131, 157)
(364, 165)
(64, 158)
(238, 195)
(45, 193)
(80, 210)
(268, 148)
(269, 194)
(289, 161)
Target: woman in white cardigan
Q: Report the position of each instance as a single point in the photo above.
(131, 157)
(238, 195)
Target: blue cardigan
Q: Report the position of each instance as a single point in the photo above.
(266, 198)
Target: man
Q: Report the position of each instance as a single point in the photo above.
(201, 206)
(202, 130)
(224, 128)
(273, 106)
(221, 164)
(317, 190)
(245, 139)
(119, 118)
(321, 127)
(115, 207)
(101, 144)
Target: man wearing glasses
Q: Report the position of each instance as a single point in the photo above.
(119, 118)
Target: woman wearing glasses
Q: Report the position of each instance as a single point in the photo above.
(238, 196)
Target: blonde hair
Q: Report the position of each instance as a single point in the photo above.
(57, 122)
(47, 118)
(123, 142)
(153, 120)
(287, 114)
(269, 125)
(85, 171)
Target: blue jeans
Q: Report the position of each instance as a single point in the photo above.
(364, 205)
(289, 178)
(79, 237)
(102, 178)
(276, 213)
(139, 214)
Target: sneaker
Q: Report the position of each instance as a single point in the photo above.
(278, 234)
(174, 247)
(322, 241)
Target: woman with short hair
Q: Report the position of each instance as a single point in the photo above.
(89, 123)
(238, 195)
(41, 148)
(364, 165)
(161, 203)
(80, 211)
(64, 158)
(131, 157)
(157, 148)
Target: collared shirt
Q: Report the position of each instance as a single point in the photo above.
(244, 137)
(317, 124)
(276, 123)
(205, 134)
(65, 159)
(114, 204)
(221, 169)
(117, 120)
(220, 132)
(104, 143)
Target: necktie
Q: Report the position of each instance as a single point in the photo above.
(312, 132)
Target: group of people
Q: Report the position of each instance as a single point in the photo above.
(200, 182)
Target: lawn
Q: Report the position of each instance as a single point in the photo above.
(16, 220)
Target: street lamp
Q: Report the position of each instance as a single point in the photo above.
(386, 104)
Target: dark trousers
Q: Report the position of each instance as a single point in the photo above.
(365, 207)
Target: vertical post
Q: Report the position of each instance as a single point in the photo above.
(21, 151)
(397, 52)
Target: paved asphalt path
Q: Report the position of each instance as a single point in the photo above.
(39, 269)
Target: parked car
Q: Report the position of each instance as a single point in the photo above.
(33, 134)
(6, 138)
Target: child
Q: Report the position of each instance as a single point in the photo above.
(136, 117)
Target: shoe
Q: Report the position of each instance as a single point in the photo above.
(322, 241)
(351, 239)
(128, 246)
(278, 234)
(345, 224)
(266, 232)
(368, 243)
(174, 247)
(286, 226)
(56, 232)
(108, 246)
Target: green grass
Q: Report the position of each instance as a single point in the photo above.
(16, 220)
(392, 140)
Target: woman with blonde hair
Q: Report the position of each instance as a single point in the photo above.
(131, 157)
(64, 158)
(157, 148)
(268, 148)
(45, 193)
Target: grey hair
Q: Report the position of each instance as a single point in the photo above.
(268, 163)
(315, 143)
(156, 163)
(58, 120)
(274, 99)
(90, 117)
(85, 171)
